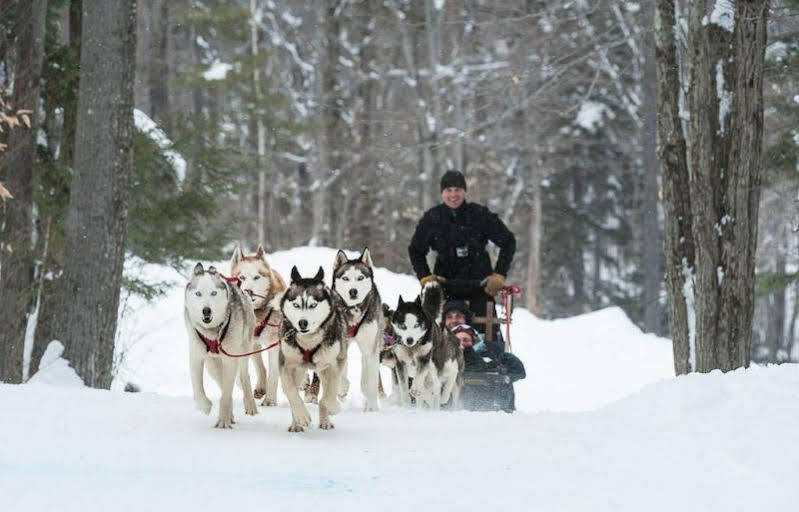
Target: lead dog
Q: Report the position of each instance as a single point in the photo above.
(314, 337)
(262, 283)
(219, 319)
(354, 281)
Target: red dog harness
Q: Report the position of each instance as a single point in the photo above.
(213, 346)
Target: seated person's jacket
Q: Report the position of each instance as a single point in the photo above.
(491, 355)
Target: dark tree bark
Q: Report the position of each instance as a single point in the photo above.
(51, 254)
(678, 241)
(86, 302)
(16, 257)
(725, 100)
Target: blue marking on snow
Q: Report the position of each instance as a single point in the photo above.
(303, 482)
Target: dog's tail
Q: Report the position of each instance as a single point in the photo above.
(433, 300)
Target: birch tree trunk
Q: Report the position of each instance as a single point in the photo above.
(87, 300)
(652, 246)
(725, 100)
(16, 256)
(261, 129)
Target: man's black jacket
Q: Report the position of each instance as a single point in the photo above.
(460, 237)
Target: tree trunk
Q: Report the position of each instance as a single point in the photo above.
(16, 257)
(261, 130)
(87, 301)
(534, 239)
(727, 127)
(678, 241)
(652, 246)
(725, 101)
(52, 256)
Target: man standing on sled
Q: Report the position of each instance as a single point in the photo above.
(458, 231)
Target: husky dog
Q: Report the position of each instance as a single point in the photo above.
(262, 283)
(219, 321)
(388, 358)
(432, 356)
(314, 334)
(353, 280)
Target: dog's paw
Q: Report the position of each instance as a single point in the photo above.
(367, 407)
(269, 402)
(249, 408)
(258, 393)
(326, 424)
(296, 428)
(203, 405)
(416, 392)
(301, 417)
(225, 422)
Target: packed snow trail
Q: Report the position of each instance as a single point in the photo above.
(701, 442)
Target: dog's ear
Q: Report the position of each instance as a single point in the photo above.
(295, 274)
(418, 300)
(320, 276)
(212, 270)
(341, 258)
(236, 258)
(366, 258)
(260, 252)
(386, 309)
(198, 269)
(400, 302)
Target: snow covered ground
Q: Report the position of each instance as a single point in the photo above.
(602, 426)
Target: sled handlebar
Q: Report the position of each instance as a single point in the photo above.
(461, 287)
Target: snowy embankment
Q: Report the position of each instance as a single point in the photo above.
(606, 428)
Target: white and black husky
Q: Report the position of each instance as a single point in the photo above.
(426, 352)
(219, 321)
(354, 282)
(314, 337)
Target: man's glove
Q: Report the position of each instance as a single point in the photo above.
(494, 284)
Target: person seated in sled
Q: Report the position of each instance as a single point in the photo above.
(483, 354)
(458, 231)
(499, 394)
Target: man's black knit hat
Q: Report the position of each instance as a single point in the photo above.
(453, 179)
(457, 305)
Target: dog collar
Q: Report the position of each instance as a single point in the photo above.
(213, 346)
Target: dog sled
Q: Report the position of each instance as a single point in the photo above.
(491, 388)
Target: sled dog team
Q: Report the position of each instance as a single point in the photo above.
(307, 326)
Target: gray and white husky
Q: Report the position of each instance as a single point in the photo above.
(354, 281)
(219, 320)
(426, 352)
(314, 337)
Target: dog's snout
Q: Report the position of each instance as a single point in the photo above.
(303, 324)
(409, 341)
(206, 311)
(353, 293)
